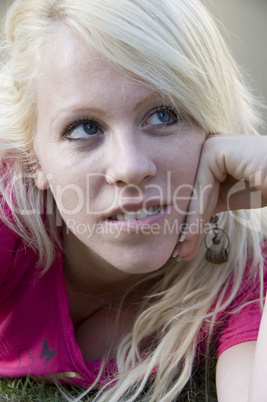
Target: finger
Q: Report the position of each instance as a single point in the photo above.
(201, 208)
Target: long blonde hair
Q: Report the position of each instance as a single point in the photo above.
(175, 47)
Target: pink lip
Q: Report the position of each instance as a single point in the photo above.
(134, 207)
(141, 225)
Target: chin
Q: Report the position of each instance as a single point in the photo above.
(143, 265)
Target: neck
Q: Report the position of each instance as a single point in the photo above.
(93, 284)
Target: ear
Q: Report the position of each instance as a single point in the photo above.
(40, 180)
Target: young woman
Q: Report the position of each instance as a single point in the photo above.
(126, 128)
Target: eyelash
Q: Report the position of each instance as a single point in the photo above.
(170, 109)
(75, 123)
(83, 120)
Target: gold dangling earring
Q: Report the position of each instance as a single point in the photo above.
(219, 255)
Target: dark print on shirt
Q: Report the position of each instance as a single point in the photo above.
(46, 352)
(25, 358)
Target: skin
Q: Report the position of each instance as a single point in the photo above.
(233, 373)
(132, 159)
(225, 163)
(132, 152)
(258, 387)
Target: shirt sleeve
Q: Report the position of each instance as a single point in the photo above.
(242, 321)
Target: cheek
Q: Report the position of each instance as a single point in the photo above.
(70, 198)
(81, 195)
(183, 163)
(182, 172)
(67, 181)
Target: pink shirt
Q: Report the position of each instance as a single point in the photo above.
(36, 330)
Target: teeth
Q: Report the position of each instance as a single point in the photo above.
(137, 215)
(142, 214)
(129, 216)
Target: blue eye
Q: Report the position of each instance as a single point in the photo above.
(90, 128)
(162, 116)
(81, 129)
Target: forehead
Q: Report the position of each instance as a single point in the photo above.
(67, 55)
(74, 72)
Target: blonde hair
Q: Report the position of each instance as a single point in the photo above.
(175, 47)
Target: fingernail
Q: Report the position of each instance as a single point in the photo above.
(182, 237)
(175, 253)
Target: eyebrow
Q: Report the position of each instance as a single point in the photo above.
(146, 99)
(72, 108)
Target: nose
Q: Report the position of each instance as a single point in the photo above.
(130, 163)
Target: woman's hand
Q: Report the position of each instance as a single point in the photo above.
(232, 174)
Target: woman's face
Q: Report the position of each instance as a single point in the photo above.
(119, 160)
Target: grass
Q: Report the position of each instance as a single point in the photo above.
(29, 390)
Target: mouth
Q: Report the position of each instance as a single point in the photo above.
(137, 215)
